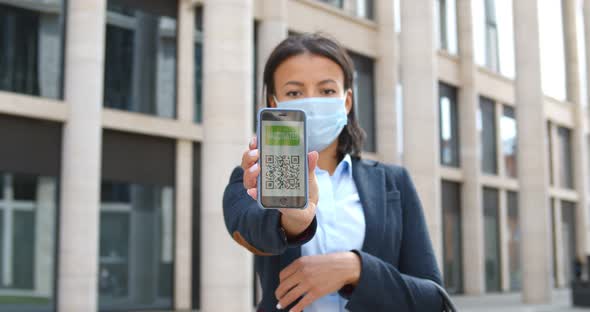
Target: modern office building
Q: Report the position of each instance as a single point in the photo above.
(120, 121)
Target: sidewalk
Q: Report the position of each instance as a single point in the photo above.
(512, 302)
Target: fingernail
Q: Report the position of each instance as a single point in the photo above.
(279, 306)
(254, 167)
(253, 152)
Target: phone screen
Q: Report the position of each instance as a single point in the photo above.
(282, 159)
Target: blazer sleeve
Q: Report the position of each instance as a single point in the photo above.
(258, 230)
(382, 286)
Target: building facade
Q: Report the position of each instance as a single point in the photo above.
(122, 119)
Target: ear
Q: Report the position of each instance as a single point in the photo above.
(271, 101)
(349, 97)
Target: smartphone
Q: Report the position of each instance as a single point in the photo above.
(282, 146)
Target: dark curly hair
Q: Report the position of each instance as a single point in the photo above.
(352, 136)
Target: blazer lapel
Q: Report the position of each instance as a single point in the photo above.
(370, 183)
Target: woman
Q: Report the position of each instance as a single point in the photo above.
(362, 243)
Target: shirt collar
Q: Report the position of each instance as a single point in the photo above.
(345, 164)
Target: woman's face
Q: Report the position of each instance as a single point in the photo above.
(308, 75)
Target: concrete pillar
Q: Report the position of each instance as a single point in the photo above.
(532, 155)
(226, 267)
(81, 157)
(421, 140)
(184, 159)
(272, 29)
(580, 144)
(45, 236)
(471, 193)
(386, 81)
(586, 14)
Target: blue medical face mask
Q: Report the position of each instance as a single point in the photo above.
(326, 117)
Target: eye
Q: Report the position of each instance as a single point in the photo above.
(328, 92)
(293, 93)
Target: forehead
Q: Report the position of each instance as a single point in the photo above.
(307, 68)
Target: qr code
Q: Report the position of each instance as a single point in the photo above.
(282, 172)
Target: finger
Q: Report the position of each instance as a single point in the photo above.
(253, 192)
(253, 143)
(286, 285)
(291, 296)
(290, 270)
(312, 161)
(308, 299)
(249, 158)
(251, 176)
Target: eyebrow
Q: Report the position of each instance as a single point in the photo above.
(297, 83)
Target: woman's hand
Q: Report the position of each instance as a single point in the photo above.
(316, 276)
(293, 221)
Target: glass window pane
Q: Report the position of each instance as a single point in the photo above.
(140, 58)
(364, 9)
(552, 48)
(446, 27)
(336, 3)
(568, 228)
(1, 187)
(550, 153)
(565, 158)
(448, 126)
(514, 239)
(488, 136)
(136, 247)
(508, 133)
(24, 187)
(452, 246)
(31, 36)
(199, 65)
(492, 241)
(364, 91)
(28, 234)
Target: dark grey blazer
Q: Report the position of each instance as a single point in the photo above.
(397, 260)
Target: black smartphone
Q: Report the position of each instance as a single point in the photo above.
(282, 146)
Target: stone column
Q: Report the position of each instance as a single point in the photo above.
(184, 159)
(81, 157)
(226, 267)
(580, 144)
(471, 193)
(386, 81)
(421, 140)
(532, 155)
(272, 29)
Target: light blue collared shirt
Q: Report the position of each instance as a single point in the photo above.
(341, 224)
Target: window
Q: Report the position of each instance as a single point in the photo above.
(198, 65)
(364, 9)
(492, 239)
(136, 222)
(452, 253)
(446, 27)
(28, 217)
(566, 169)
(550, 152)
(494, 35)
(136, 246)
(568, 246)
(31, 53)
(491, 36)
(487, 117)
(336, 3)
(508, 133)
(364, 90)
(552, 48)
(448, 126)
(514, 242)
(140, 57)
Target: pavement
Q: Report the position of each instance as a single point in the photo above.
(512, 302)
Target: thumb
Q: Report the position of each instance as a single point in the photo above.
(312, 161)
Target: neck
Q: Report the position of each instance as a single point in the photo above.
(329, 157)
